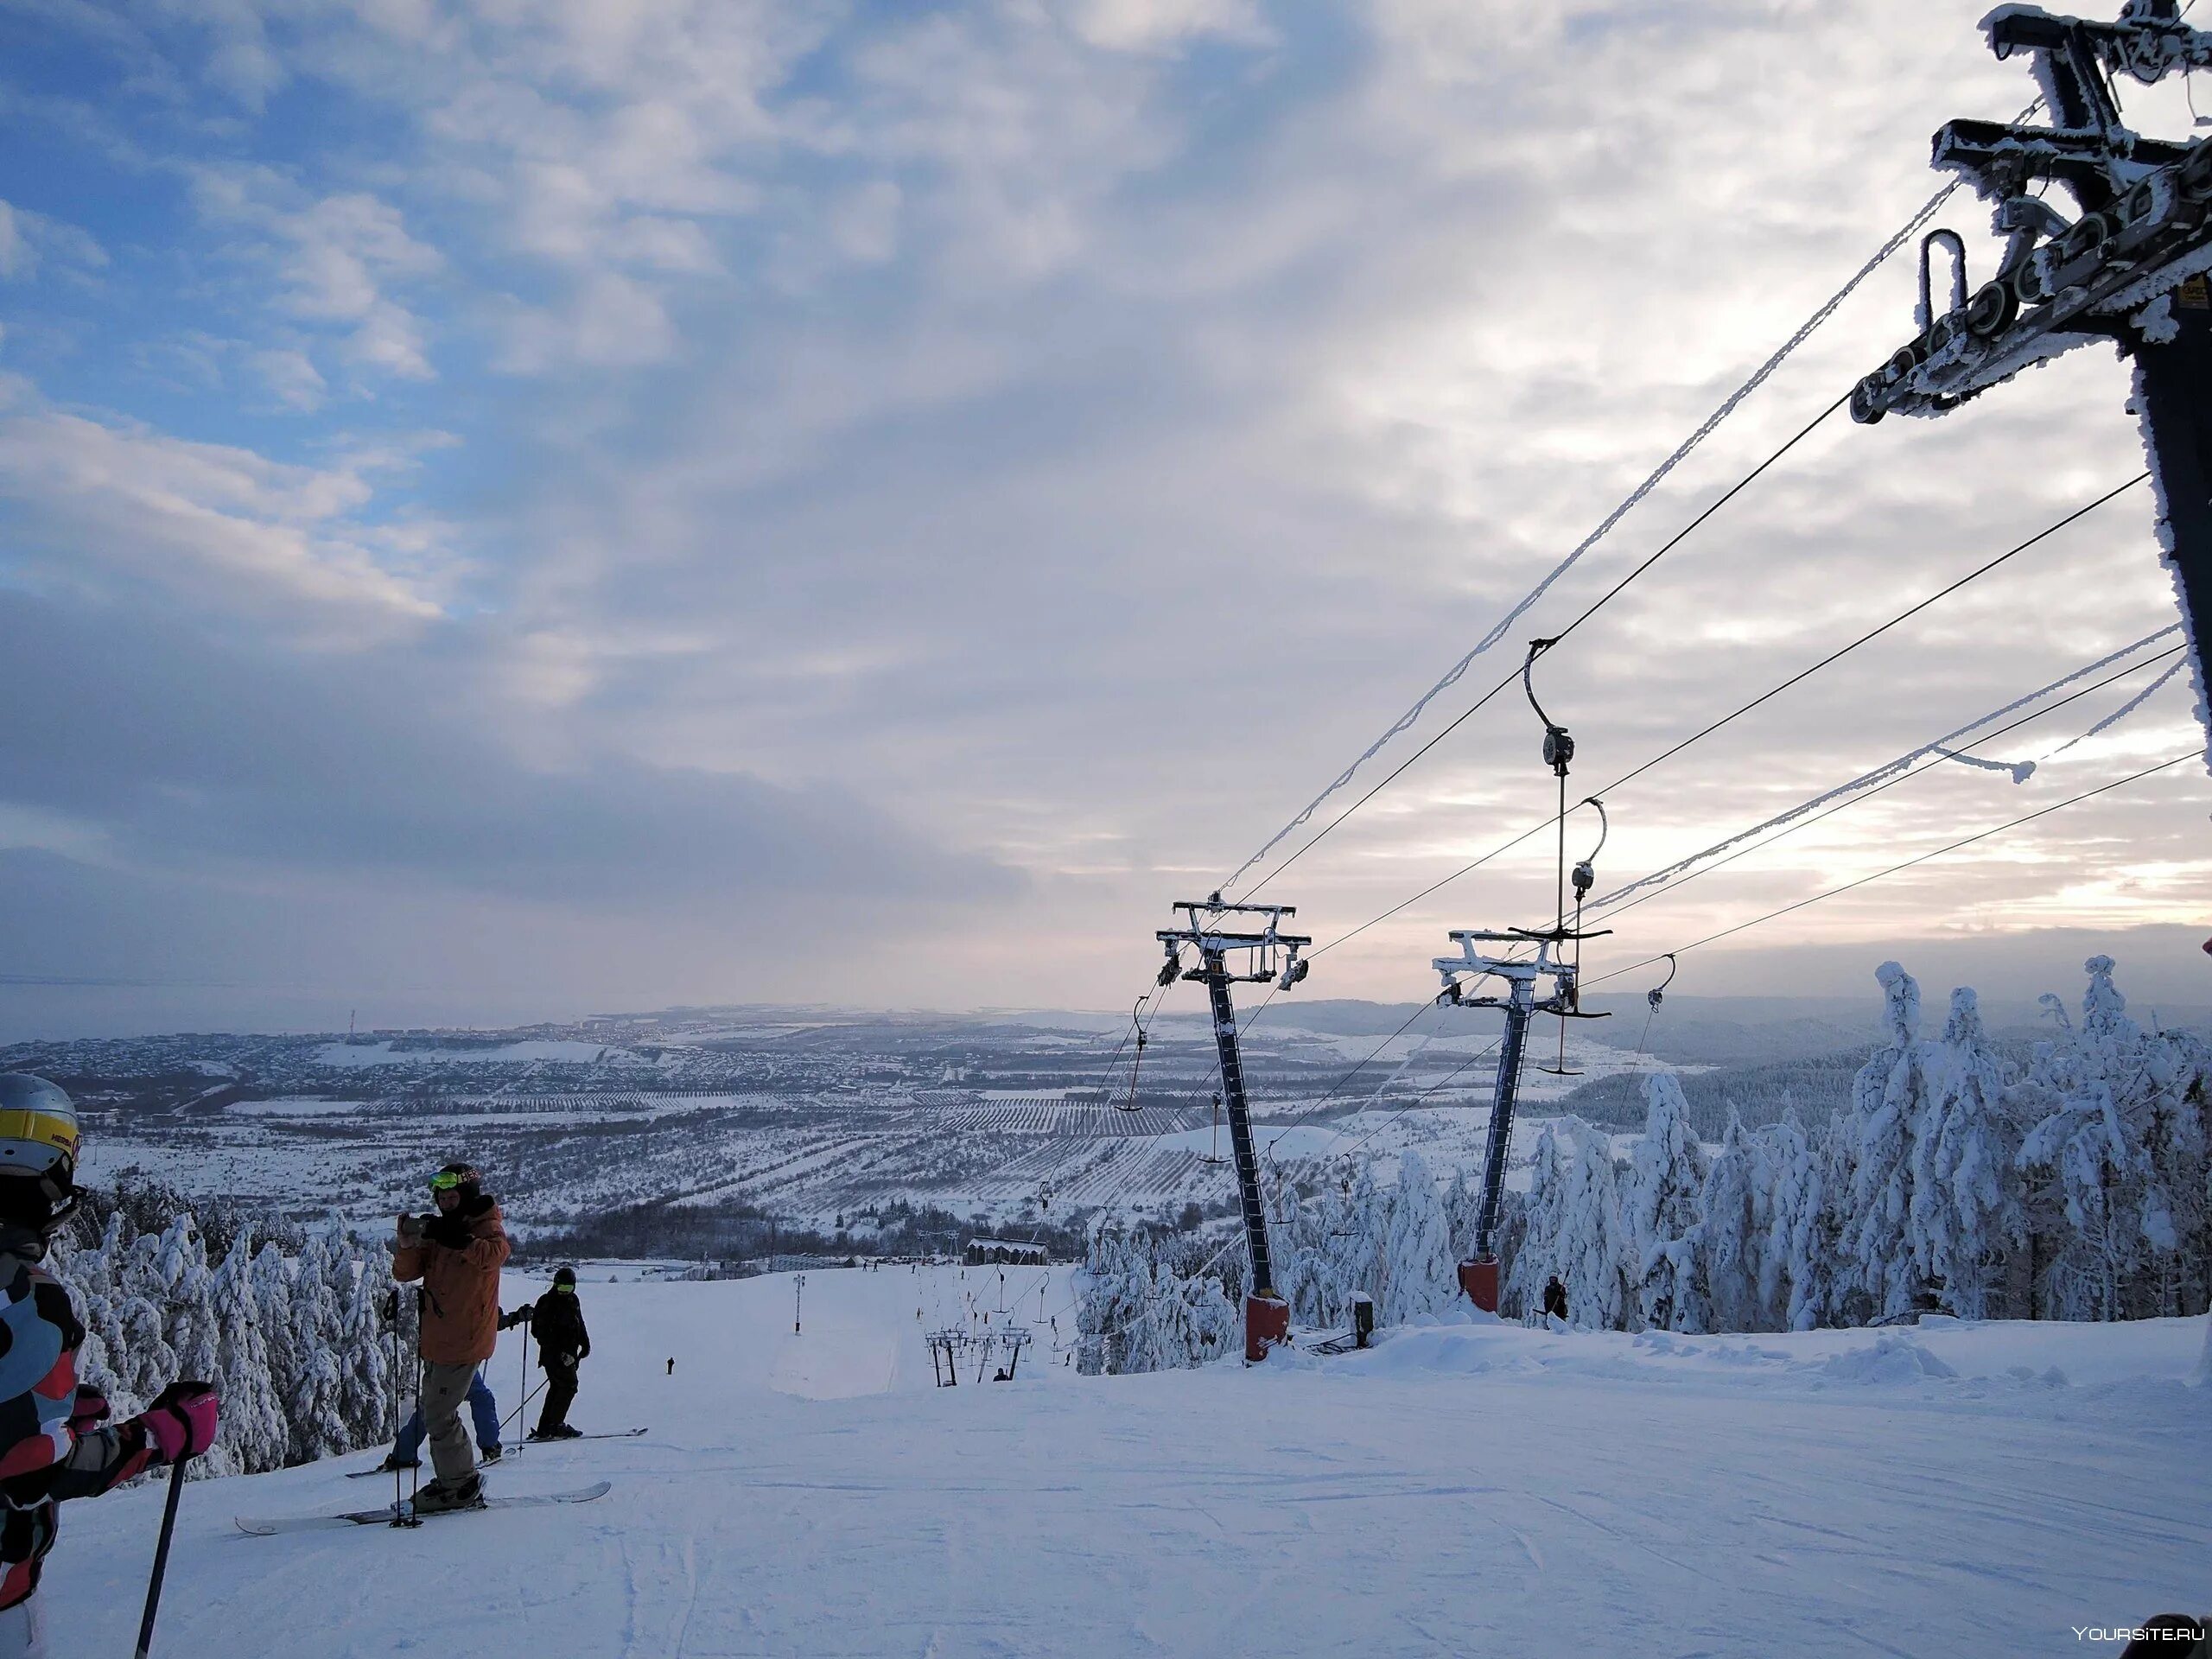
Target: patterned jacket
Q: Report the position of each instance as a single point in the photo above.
(51, 1448)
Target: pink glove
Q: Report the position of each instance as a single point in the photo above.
(182, 1421)
(89, 1412)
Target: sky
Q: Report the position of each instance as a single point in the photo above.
(511, 509)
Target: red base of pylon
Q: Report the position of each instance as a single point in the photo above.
(1479, 1280)
(1267, 1321)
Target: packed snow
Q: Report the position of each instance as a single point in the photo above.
(1464, 1487)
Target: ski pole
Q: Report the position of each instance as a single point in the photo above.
(398, 1396)
(522, 1385)
(161, 1558)
(518, 1410)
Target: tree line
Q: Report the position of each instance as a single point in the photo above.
(2076, 1185)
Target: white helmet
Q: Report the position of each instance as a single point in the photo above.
(38, 1152)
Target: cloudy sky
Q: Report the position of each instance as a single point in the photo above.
(513, 508)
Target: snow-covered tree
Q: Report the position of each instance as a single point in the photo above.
(1594, 1249)
(1794, 1273)
(1666, 1186)
(1537, 1255)
(254, 1433)
(1965, 1213)
(1889, 1099)
(1731, 1234)
(1420, 1271)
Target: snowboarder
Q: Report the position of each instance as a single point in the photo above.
(1556, 1299)
(56, 1442)
(457, 1254)
(557, 1319)
(483, 1409)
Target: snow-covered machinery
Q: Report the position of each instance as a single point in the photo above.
(2133, 267)
(1264, 954)
(1520, 974)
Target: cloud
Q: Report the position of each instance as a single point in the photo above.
(1155, 25)
(105, 506)
(27, 238)
(1079, 429)
(338, 260)
(244, 763)
(292, 378)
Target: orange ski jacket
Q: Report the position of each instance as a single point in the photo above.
(460, 1286)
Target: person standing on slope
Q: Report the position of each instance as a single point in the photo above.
(457, 1254)
(55, 1441)
(1556, 1299)
(483, 1411)
(557, 1319)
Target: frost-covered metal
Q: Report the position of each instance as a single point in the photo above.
(2133, 267)
(1264, 953)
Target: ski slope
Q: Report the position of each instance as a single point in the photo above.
(1462, 1488)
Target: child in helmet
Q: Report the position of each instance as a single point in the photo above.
(56, 1442)
(457, 1254)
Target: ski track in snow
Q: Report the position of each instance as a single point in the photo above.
(1468, 1489)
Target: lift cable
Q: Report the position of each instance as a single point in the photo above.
(1964, 840)
(1905, 233)
(1597, 604)
(1795, 824)
(1943, 748)
(1796, 679)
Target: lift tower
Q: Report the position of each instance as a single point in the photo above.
(2131, 268)
(1478, 1277)
(1265, 955)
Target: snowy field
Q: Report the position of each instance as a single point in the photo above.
(1462, 1489)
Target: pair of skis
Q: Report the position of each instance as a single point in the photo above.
(613, 1435)
(388, 1513)
(264, 1527)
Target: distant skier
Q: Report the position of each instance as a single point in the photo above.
(1556, 1301)
(484, 1411)
(557, 1319)
(55, 1441)
(457, 1254)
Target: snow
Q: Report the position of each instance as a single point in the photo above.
(1468, 1487)
(353, 1056)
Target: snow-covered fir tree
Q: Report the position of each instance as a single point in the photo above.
(1666, 1189)
(155, 1309)
(1595, 1249)
(1965, 1215)
(1731, 1232)
(1419, 1268)
(1889, 1099)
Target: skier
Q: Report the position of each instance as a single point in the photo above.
(457, 1254)
(557, 1321)
(55, 1441)
(1556, 1299)
(483, 1409)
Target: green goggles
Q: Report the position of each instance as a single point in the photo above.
(564, 1290)
(444, 1181)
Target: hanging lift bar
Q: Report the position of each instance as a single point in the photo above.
(1265, 954)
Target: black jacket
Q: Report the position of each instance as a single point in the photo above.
(557, 1322)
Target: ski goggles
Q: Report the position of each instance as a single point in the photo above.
(445, 1181)
(564, 1290)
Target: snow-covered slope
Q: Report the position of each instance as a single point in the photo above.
(1469, 1488)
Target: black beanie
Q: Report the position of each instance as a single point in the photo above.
(565, 1275)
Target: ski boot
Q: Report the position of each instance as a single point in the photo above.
(393, 1465)
(489, 1455)
(439, 1497)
